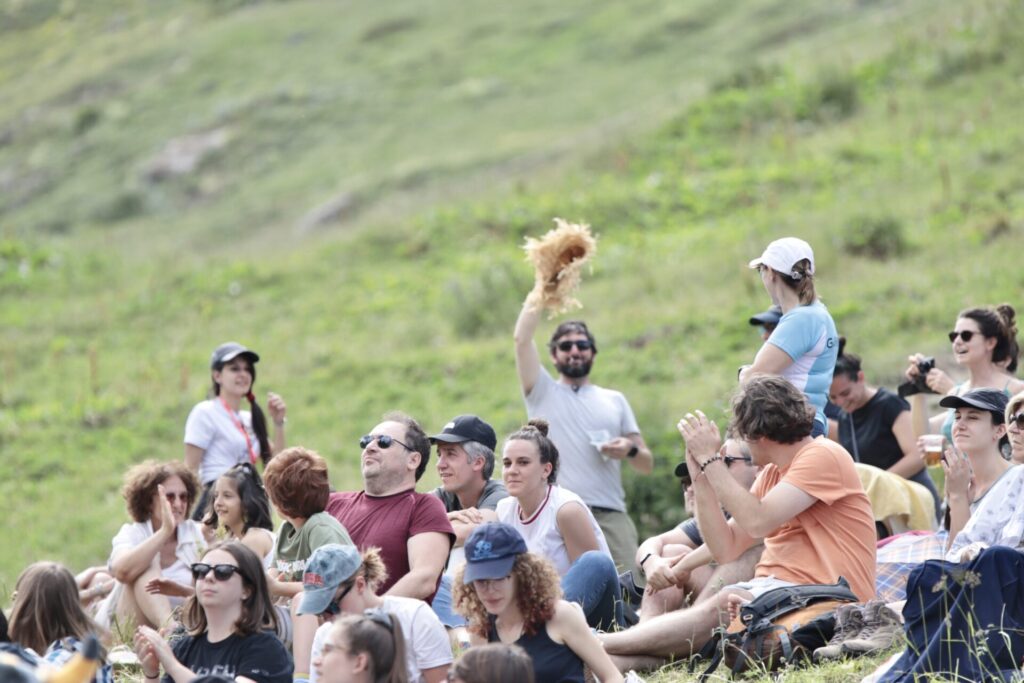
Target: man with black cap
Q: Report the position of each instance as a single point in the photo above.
(465, 463)
(767, 320)
(593, 427)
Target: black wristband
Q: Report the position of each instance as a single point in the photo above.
(633, 451)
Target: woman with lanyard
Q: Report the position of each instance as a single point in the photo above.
(218, 434)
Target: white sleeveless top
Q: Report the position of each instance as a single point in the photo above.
(541, 532)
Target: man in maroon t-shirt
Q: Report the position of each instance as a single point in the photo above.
(411, 529)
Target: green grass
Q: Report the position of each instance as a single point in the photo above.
(687, 135)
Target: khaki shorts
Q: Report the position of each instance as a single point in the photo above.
(620, 533)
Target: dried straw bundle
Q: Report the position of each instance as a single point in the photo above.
(557, 259)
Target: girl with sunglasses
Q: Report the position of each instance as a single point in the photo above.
(1015, 427)
(557, 524)
(47, 616)
(802, 348)
(368, 648)
(230, 620)
(512, 596)
(984, 342)
(218, 433)
(161, 542)
(341, 580)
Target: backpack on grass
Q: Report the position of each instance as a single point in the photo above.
(778, 627)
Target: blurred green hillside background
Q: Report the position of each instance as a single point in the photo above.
(345, 187)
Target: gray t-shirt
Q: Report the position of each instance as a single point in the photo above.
(494, 491)
(574, 417)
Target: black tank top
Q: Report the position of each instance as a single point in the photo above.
(552, 663)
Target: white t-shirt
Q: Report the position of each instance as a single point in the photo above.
(210, 427)
(576, 419)
(426, 641)
(541, 531)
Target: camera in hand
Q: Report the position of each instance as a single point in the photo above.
(918, 385)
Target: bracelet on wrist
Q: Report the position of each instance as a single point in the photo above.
(704, 465)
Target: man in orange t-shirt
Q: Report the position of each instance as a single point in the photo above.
(807, 504)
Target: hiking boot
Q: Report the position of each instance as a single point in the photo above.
(882, 630)
(849, 624)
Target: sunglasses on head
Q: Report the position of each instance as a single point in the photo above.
(1017, 419)
(966, 335)
(581, 344)
(221, 572)
(383, 440)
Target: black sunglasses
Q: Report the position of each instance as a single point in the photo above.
(221, 572)
(730, 459)
(1017, 418)
(334, 606)
(966, 335)
(581, 344)
(383, 440)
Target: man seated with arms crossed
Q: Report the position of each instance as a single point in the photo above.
(658, 554)
(465, 463)
(807, 504)
(411, 529)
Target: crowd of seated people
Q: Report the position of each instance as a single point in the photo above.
(524, 573)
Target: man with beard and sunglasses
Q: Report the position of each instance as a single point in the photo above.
(411, 529)
(593, 427)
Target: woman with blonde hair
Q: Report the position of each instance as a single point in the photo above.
(47, 616)
(340, 580)
(512, 596)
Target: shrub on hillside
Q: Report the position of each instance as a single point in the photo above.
(877, 237)
(836, 95)
(486, 301)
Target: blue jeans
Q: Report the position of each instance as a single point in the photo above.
(593, 583)
(442, 604)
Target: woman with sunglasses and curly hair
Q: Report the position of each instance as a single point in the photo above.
(365, 648)
(218, 433)
(1015, 427)
(513, 596)
(984, 342)
(341, 580)
(230, 620)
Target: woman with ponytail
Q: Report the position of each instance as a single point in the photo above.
(985, 344)
(218, 433)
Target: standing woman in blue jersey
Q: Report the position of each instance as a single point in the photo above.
(804, 345)
(220, 435)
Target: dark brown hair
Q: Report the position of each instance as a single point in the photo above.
(772, 408)
(536, 432)
(257, 608)
(253, 497)
(384, 646)
(297, 482)
(847, 364)
(415, 438)
(259, 420)
(494, 663)
(140, 484)
(570, 327)
(999, 323)
(47, 608)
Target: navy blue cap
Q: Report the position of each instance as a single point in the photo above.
(491, 550)
(770, 317)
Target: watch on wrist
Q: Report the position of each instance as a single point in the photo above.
(633, 451)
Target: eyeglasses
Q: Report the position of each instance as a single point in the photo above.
(489, 584)
(381, 618)
(730, 459)
(966, 335)
(183, 497)
(221, 572)
(1018, 419)
(581, 344)
(383, 440)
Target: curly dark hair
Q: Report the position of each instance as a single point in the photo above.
(297, 482)
(771, 407)
(537, 587)
(140, 484)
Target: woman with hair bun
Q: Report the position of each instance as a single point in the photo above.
(218, 433)
(557, 524)
(875, 425)
(803, 347)
(511, 595)
(984, 342)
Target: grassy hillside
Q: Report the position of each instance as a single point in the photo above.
(885, 134)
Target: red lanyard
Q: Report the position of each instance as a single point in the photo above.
(238, 423)
(536, 514)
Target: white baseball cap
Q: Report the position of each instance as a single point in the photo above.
(783, 254)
